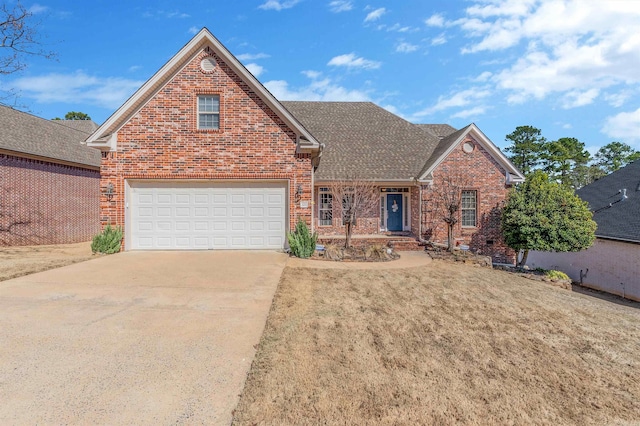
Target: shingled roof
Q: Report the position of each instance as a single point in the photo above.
(364, 140)
(617, 217)
(87, 126)
(438, 130)
(24, 133)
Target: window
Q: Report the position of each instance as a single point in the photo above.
(209, 112)
(325, 208)
(469, 208)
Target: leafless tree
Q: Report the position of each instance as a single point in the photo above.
(18, 39)
(353, 198)
(447, 200)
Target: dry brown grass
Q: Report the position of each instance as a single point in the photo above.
(442, 344)
(25, 260)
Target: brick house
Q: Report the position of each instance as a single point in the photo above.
(202, 156)
(611, 263)
(49, 181)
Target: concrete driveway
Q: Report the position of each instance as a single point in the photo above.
(134, 338)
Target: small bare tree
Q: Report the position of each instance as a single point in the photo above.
(353, 198)
(447, 199)
(18, 40)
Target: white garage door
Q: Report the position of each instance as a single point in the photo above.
(202, 216)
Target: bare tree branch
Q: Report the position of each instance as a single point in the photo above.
(446, 198)
(353, 198)
(18, 38)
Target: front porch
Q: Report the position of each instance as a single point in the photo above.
(399, 241)
(394, 215)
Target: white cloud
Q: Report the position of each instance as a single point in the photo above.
(193, 30)
(577, 98)
(278, 5)
(251, 56)
(255, 69)
(616, 100)
(623, 126)
(350, 60)
(375, 14)
(464, 98)
(134, 68)
(471, 112)
(165, 14)
(569, 47)
(435, 20)
(312, 74)
(78, 87)
(405, 47)
(437, 41)
(317, 90)
(38, 8)
(485, 76)
(397, 28)
(338, 6)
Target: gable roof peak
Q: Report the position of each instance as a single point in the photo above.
(105, 137)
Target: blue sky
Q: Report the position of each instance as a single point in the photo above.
(568, 67)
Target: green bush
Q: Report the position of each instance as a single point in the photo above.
(556, 275)
(301, 241)
(108, 241)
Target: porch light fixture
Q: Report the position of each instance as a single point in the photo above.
(109, 191)
(299, 191)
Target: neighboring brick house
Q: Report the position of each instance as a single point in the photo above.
(49, 181)
(203, 156)
(611, 264)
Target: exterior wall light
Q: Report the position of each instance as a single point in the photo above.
(109, 191)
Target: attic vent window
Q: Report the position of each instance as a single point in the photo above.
(468, 147)
(208, 64)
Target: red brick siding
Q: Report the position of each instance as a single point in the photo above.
(162, 141)
(56, 204)
(487, 177)
(366, 224)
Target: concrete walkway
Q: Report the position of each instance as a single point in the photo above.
(408, 259)
(134, 338)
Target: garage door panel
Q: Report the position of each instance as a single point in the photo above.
(215, 215)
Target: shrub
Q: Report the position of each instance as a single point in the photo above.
(108, 241)
(301, 241)
(556, 275)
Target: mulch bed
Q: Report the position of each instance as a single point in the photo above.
(368, 253)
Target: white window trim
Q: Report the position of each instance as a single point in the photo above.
(320, 209)
(199, 113)
(475, 209)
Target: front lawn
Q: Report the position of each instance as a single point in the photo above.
(441, 344)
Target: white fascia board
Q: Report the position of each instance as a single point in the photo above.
(486, 143)
(177, 62)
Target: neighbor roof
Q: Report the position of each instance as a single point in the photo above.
(437, 130)
(617, 217)
(364, 140)
(24, 133)
(87, 126)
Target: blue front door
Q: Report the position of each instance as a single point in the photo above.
(394, 212)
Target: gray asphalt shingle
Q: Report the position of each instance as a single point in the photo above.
(616, 218)
(28, 134)
(364, 140)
